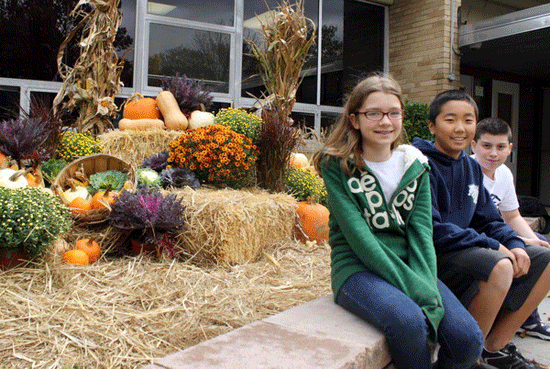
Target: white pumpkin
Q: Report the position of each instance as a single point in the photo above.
(299, 160)
(200, 118)
(78, 191)
(9, 180)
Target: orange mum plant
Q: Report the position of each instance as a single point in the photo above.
(217, 154)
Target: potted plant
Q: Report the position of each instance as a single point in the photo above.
(151, 218)
(31, 219)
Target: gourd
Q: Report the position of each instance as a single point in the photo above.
(78, 257)
(13, 179)
(140, 124)
(200, 118)
(173, 117)
(90, 247)
(74, 192)
(313, 222)
(139, 107)
(299, 160)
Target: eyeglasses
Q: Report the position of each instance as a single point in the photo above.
(378, 115)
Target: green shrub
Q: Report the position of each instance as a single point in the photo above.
(302, 184)
(415, 121)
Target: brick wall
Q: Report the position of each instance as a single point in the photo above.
(420, 47)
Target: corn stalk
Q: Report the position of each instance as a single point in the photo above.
(93, 82)
(282, 53)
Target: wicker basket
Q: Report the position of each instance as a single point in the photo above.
(91, 164)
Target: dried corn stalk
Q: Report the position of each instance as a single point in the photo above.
(283, 50)
(94, 81)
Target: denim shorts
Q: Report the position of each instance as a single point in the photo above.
(462, 269)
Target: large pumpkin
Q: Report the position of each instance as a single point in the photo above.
(313, 222)
(139, 107)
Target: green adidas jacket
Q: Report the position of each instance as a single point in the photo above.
(392, 240)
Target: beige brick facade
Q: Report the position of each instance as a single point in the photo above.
(420, 47)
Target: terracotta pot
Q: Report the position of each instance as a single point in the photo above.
(139, 248)
(10, 258)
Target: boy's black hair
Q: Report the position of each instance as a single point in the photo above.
(446, 96)
(493, 126)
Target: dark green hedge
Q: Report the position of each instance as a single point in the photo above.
(415, 121)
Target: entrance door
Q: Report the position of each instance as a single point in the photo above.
(505, 105)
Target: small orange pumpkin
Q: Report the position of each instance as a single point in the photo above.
(139, 107)
(80, 205)
(78, 257)
(312, 222)
(2, 157)
(102, 197)
(90, 247)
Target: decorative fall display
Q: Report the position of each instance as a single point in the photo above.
(217, 154)
(312, 222)
(77, 257)
(139, 107)
(74, 145)
(171, 112)
(199, 119)
(143, 124)
(90, 247)
(190, 94)
(93, 82)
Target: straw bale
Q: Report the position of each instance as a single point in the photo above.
(234, 226)
(134, 146)
(127, 312)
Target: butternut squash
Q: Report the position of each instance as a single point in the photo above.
(140, 124)
(174, 119)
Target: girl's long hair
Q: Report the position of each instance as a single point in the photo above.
(345, 140)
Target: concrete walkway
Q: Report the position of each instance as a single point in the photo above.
(534, 348)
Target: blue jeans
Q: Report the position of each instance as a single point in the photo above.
(404, 324)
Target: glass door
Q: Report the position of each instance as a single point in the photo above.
(505, 105)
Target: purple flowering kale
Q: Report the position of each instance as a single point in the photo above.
(21, 138)
(190, 94)
(157, 162)
(149, 213)
(179, 177)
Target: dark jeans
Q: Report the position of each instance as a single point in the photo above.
(404, 324)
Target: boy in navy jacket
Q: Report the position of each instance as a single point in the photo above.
(491, 270)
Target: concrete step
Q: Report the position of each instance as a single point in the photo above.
(317, 334)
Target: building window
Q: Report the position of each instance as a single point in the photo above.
(207, 11)
(195, 53)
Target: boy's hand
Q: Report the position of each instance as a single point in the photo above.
(535, 241)
(520, 260)
(523, 262)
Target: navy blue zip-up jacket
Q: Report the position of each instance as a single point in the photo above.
(463, 213)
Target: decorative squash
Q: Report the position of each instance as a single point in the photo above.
(60, 246)
(299, 160)
(77, 257)
(173, 117)
(313, 222)
(140, 124)
(200, 118)
(90, 247)
(3, 158)
(13, 178)
(139, 107)
(103, 198)
(80, 205)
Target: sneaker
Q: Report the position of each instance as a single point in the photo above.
(508, 358)
(538, 330)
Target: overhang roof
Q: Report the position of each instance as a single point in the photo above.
(516, 43)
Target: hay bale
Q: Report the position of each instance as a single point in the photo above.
(234, 226)
(134, 146)
(127, 312)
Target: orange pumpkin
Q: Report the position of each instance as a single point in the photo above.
(90, 247)
(312, 222)
(139, 107)
(102, 197)
(80, 205)
(78, 257)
